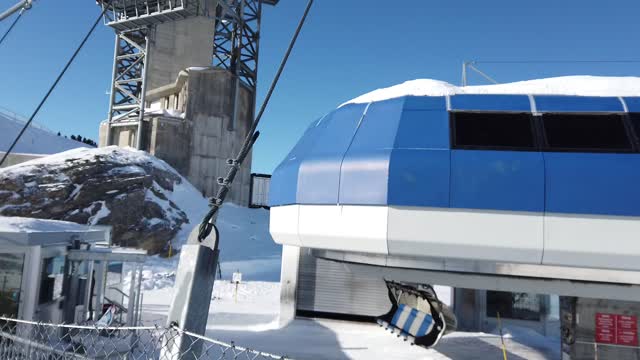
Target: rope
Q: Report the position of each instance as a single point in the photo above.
(225, 183)
(12, 25)
(55, 83)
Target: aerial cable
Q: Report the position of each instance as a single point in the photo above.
(55, 83)
(225, 183)
(12, 25)
(605, 61)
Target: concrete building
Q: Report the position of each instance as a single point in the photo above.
(184, 81)
(190, 124)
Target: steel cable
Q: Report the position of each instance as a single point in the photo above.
(225, 183)
(12, 25)
(55, 83)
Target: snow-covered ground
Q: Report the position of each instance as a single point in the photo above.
(252, 320)
(564, 85)
(35, 140)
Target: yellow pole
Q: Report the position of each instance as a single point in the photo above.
(504, 348)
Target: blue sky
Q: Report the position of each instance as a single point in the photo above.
(346, 48)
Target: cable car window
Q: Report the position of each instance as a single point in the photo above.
(571, 132)
(492, 131)
(635, 121)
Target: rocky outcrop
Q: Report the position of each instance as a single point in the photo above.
(128, 189)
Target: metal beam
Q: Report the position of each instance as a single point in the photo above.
(541, 279)
(237, 37)
(24, 4)
(507, 283)
(128, 83)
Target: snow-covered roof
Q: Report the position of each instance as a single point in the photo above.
(19, 231)
(35, 140)
(565, 85)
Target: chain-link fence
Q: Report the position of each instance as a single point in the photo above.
(21, 339)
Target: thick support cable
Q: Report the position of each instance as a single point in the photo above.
(225, 183)
(12, 25)
(55, 83)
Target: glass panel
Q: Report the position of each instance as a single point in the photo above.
(635, 121)
(493, 131)
(51, 279)
(11, 267)
(586, 132)
(521, 306)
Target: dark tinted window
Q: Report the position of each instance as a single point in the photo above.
(586, 132)
(635, 121)
(493, 131)
(522, 306)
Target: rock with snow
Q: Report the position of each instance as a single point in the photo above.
(140, 196)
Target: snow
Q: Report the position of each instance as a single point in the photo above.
(28, 225)
(251, 320)
(165, 112)
(36, 140)
(581, 85)
(102, 213)
(245, 243)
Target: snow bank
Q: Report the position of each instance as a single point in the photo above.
(27, 225)
(565, 85)
(245, 245)
(35, 140)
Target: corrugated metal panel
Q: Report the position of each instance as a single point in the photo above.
(333, 287)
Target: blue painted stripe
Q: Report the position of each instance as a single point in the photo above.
(410, 320)
(491, 103)
(578, 104)
(422, 331)
(425, 103)
(396, 316)
(633, 104)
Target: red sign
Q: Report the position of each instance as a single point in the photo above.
(627, 330)
(616, 329)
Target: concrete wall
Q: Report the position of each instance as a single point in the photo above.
(15, 158)
(199, 145)
(177, 45)
(124, 135)
(210, 108)
(170, 141)
(578, 327)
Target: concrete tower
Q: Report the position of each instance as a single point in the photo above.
(184, 83)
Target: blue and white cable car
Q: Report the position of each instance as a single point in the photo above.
(513, 178)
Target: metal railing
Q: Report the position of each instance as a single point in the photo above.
(21, 339)
(599, 348)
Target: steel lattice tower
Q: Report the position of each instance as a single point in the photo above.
(235, 47)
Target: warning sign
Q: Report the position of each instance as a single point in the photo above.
(606, 328)
(616, 329)
(627, 330)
